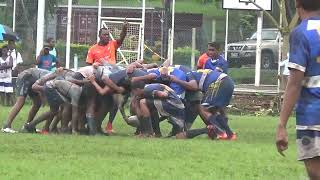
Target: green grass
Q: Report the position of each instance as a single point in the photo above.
(246, 76)
(252, 156)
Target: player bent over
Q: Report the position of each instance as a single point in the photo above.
(24, 83)
(161, 98)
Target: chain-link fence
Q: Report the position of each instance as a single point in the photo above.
(194, 22)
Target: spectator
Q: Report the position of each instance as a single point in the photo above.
(215, 60)
(16, 56)
(284, 73)
(6, 88)
(202, 60)
(45, 60)
(105, 50)
(53, 51)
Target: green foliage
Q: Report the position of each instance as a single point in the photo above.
(252, 156)
(182, 55)
(247, 24)
(80, 49)
(246, 76)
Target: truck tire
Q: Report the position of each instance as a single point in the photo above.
(267, 60)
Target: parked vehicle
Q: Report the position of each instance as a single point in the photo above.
(244, 52)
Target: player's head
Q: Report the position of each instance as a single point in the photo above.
(213, 49)
(307, 6)
(104, 35)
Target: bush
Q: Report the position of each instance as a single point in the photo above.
(182, 55)
(79, 49)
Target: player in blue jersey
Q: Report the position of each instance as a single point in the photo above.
(160, 98)
(193, 94)
(216, 61)
(218, 89)
(162, 75)
(303, 88)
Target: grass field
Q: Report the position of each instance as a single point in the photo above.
(252, 156)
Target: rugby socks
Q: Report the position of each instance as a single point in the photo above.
(224, 123)
(91, 124)
(146, 125)
(112, 115)
(219, 127)
(196, 132)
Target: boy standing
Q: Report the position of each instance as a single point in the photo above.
(304, 88)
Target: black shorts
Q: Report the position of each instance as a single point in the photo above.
(53, 97)
(24, 85)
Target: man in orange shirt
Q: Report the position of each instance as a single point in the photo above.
(105, 50)
(203, 59)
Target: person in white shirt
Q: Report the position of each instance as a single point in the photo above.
(284, 73)
(53, 51)
(16, 56)
(6, 88)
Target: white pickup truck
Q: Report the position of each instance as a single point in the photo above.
(244, 52)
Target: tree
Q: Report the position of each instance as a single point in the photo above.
(26, 24)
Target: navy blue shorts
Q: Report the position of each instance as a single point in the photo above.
(219, 94)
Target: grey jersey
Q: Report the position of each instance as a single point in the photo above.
(34, 72)
(68, 91)
(65, 74)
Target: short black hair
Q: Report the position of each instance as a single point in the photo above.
(50, 39)
(214, 44)
(309, 5)
(138, 85)
(104, 28)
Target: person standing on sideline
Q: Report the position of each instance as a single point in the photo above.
(284, 73)
(53, 51)
(6, 88)
(45, 60)
(16, 56)
(105, 50)
(303, 88)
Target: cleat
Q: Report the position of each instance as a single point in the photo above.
(233, 137)
(222, 136)
(44, 132)
(109, 128)
(8, 130)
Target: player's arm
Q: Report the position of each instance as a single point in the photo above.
(291, 96)
(101, 90)
(78, 82)
(145, 78)
(150, 66)
(160, 94)
(191, 85)
(112, 85)
(123, 33)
